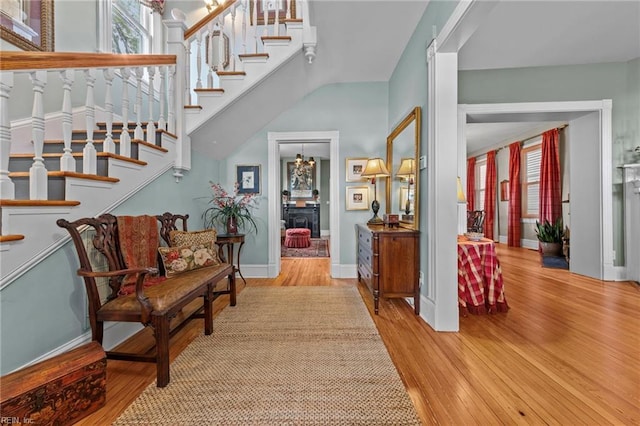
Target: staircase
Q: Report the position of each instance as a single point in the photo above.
(49, 171)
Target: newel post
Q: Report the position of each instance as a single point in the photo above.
(309, 35)
(175, 46)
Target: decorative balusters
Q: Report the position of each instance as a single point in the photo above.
(151, 127)
(7, 188)
(138, 133)
(276, 18)
(162, 124)
(125, 139)
(232, 44)
(221, 50)
(209, 55)
(198, 60)
(171, 124)
(244, 26)
(67, 162)
(255, 23)
(38, 172)
(187, 73)
(89, 155)
(265, 17)
(288, 16)
(108, 144)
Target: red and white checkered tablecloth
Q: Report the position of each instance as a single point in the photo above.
(480, 287)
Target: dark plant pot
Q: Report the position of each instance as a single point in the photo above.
(232, 225)
(550, 249)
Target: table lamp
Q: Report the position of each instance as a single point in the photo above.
(407, 170)
(375, 168)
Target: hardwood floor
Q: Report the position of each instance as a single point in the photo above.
(567, 352)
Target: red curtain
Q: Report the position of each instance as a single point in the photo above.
(515, 196)
(490, 195)
(471, 183)
(550, 203)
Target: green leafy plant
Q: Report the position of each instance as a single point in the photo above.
(315, 193)
(285, 192)
(548, 232)
(226, 205)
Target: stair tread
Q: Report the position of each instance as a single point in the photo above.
(39, 203)
(56, 173)
(150, 145)
(253, 55)
(79, 154)
(11, 237)
(276, 38)
(192, 107)
(209, 90)
(231, 73)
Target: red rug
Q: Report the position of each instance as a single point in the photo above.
(319, 248)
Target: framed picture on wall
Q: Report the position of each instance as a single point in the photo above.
(355, 167)
(28, 24)
(248, 178)
(357, 197)
(301, 180)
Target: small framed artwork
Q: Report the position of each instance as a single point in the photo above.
(357, 198)
(301, 180)
(504, 190)
(248, 178)
(355, 167)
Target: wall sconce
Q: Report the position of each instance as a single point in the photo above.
(375, 168)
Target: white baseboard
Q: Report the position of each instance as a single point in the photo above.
(530, 244)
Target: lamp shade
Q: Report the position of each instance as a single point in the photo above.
(461, 197)
(406, 168)
(375, 168)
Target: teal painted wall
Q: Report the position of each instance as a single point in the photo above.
(617, 81)
(45, 308)
(359, 112)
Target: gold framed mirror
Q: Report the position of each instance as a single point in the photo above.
(403, 156)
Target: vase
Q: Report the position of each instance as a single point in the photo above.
(232, 225)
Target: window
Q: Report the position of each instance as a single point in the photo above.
(481, 177)
(126, 26)
(531, 159)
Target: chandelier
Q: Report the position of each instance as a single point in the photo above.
(301, 162)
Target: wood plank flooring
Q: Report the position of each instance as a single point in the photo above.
(567, 352)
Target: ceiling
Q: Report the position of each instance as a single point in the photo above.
(544, 33)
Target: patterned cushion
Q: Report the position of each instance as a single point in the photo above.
(184, 238)
(188, 257)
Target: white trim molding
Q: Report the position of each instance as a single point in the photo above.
(274, 140)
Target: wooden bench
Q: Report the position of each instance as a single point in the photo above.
(153, 306)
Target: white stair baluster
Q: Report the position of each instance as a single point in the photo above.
(244, 27)
(187, 73)
(221, 50)
(288, 16)
(209, 55)
(232, 43)
(199, 60)
(89, 155)
(67, 162)
(171, 124)
(125, 139)
(38, 189)
(276, 19)
(265, 17)
(255, 23)
(7, 188)
(162, 124)
(138, 133)
(151, 127)
(109, 145)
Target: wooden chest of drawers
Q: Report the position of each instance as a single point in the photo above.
(389, 262)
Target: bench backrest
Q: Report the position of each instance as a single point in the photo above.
(106, 241)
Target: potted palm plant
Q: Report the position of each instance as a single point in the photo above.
(550, 237)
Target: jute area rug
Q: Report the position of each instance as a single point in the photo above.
(282, 356)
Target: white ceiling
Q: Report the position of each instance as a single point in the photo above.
(545, 33)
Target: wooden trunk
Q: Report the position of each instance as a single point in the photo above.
(57, 391)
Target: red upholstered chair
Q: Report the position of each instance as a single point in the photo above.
(297, 238)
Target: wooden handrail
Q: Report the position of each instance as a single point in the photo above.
(60, 60)
(204, 21)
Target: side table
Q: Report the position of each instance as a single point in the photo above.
(229, 240)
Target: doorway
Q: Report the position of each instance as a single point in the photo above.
(275, 140)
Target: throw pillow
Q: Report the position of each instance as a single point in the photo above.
(185, 238)
(188, 257)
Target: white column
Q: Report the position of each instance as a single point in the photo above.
(138, 133)
(109, 145)
(67, 162)
(89, 155)
(38, 173)
(151, 127)
(175, 46)
(7, 188)
(125, 138)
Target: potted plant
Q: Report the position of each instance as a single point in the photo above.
(550, 237)
(232, 211)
